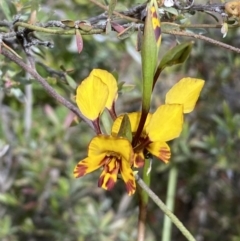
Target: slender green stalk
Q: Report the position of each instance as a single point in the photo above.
(143, 196)
(171, 191)
(164, 208)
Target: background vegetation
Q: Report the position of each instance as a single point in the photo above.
(40, 199)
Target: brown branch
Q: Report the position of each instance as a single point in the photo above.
(115, 12)
(207, 39)
(45, 85)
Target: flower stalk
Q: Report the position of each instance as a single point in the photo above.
(164, 208)
(170, 201)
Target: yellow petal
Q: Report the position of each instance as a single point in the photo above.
(107, 144)
(128, 177)
(160, 150)
(109, 80)
(88, 165)
(91, 97)
(185, 92)
(166, 123)
(108, 177)
(134, 121)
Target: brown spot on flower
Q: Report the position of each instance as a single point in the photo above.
(100, 181)
(110, 183)
(156, 25)
(80, 170)
(139, 160)
(131, 187)
(164, 154)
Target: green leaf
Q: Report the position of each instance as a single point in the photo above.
(85, 26)
(8, 199)
(176, 55)
(126, 32)
(125, 128)
(171, 10)
(170, 27)
(69, 23)
(6, 225)
(71, 81)
(5, 8)
(108, 27)
(123, 87)
(111, 7)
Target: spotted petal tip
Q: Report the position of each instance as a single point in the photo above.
(80, 170)
(131, 187)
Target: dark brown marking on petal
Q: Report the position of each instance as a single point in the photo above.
(105, 160)
(157, 32)
(131, 187)
(100, 181)
(164, 154)
(110, 183)
(154, 14)
(139, 161)
(80, 170)
(114, 169)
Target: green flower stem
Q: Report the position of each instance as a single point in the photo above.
(164, 208)
(146, 179)
(144, 197)
(171, 191)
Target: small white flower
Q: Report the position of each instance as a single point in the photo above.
(168, 3)
(224, 29)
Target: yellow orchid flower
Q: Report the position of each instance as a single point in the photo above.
(115, 155)
(96, 92)
(163, 125)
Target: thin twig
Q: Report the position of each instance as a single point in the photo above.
(207, 39)
(45, 85)
(56, 31)
(28, 108)
(115, 12)
(164, 208)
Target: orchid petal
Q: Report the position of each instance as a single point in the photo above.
(166, 123)
(128, 177)
(161, 150)
(109, 80)
(185, 92)
(92, 95)
(107, 144)
(88, 165)
(108, 177)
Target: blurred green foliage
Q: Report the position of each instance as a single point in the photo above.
(40, 199)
